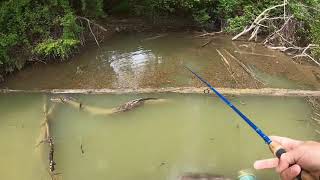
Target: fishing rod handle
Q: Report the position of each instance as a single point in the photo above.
(278, 150)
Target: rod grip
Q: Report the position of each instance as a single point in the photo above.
(278, 150)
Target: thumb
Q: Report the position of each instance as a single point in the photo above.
(291, 173)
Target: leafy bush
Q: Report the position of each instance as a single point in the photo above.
(35, 24)
(60, 48)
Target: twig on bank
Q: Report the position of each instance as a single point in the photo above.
(227, 65)
(244, 67)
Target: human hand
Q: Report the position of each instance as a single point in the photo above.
(300, 154)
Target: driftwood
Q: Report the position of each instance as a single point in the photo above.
(254, 54)
(207, 43)
(48, 138)
(179, 90)
(244, 67)
(282, 37)
(227, 65)
(305, 54)
(210, 34)
(256, 23)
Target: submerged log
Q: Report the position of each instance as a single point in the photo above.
(47, 137)
(179, 90)
(130, 105)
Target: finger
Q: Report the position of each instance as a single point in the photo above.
(266, 163)
(287, 143)
(286, 160)
(291, 173)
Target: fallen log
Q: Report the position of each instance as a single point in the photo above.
(179, 90)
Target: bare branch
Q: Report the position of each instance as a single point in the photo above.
(244, 67)
(305, 54)
(89, 22)
(227, 65)
(258, 20)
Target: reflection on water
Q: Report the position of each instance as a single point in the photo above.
(129, 61)
(187, 133)
(131, 64)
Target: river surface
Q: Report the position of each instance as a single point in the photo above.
(187, 133)
(160, 141)
(157, 60)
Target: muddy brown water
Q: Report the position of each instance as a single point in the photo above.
(141, 60)
(194, 134)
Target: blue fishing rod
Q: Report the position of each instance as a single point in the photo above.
(274, 147)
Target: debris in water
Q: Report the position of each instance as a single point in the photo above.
(202, 176)
(242, 103)
(162, 164)
(81, 148)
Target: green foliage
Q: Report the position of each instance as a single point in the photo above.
(201, 16)
(60, 48)
(197, 10)
(93, 8)
(25, 25)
